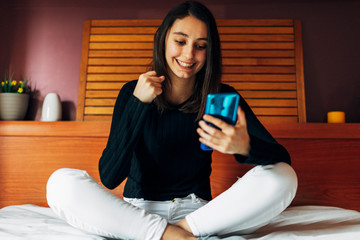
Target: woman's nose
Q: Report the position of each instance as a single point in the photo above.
(189, 52)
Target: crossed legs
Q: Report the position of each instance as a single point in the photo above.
(256, 198)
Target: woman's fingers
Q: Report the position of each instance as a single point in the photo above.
(227, 139)
(241, 121)
(148, 87)
(205, 137)
(210, 135)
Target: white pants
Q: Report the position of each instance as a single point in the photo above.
(260, 195)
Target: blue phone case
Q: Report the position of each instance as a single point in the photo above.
(223, 106)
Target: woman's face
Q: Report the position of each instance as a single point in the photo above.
(185, 48)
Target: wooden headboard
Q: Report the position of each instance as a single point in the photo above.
(262, 59)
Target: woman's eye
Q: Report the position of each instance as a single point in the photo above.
(201, 47)
(180, 42)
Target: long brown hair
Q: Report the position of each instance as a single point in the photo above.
(208, 78)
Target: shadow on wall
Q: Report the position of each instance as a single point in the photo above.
(34, 104)
(69, 111)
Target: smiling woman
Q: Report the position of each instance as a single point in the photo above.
(154, 142)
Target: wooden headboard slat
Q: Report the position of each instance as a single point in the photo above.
(101, 93)
(98, 118)
(261, 59)
(103, 110)
(248, 94)
(124, 22)
(258, 38)
(255, 30)
(120, 53)
(264, 85)
(111, 77)
(122, 38)
(100, 102)
(254, 22)
(131, 45)
(257, 45)
(264, 111)
(259, 77)
(116, 69)
(258, 70)
(300, 72)
(257, 53)
(123, 30)
(272, 102)
(117, 61)
(275, 119)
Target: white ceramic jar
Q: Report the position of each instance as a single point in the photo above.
(51, 110)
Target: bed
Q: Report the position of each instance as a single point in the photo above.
(326, 157)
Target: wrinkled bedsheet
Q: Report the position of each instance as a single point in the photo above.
(20, 222)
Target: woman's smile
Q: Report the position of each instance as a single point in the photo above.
(185, 64)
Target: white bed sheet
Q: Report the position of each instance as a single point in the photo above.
(31, 222)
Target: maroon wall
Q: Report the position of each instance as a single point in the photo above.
(42, 39)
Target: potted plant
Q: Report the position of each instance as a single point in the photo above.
(14, 98)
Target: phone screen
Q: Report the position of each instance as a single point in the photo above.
(223, 106)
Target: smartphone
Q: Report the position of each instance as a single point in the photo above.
(223, 106)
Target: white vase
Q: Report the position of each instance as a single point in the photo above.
(51, 110)
(13, 106)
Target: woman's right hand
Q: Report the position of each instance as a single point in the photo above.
(148, 87)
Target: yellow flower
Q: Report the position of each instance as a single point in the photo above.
(20, 82)
(13, 83)
(20, 90)
(2, 84)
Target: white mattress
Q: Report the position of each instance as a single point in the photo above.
(306, 222)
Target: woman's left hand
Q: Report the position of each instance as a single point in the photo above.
(228, 139)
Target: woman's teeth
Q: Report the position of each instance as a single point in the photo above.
(185, 64)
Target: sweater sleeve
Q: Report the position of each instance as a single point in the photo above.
(127, 122)
(264, 149)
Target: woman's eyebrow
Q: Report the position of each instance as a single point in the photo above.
(185, 35)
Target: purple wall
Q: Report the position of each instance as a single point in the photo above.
(42, 39)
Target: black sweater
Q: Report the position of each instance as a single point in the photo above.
(160, 153)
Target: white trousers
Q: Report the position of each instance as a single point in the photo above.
(256, 198)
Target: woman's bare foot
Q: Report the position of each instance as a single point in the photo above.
(184, 225)
(173, 232)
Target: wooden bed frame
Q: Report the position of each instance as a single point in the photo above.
(326, 158)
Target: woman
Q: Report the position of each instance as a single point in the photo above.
(154, 142)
